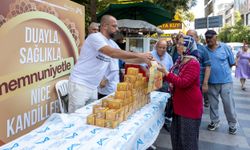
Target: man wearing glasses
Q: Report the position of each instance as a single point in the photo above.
(220, 82)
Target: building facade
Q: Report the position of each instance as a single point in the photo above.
(227, 10)
(243, 6)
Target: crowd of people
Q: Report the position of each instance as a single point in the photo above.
(195, 75)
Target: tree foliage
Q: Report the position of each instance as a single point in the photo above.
(172, 5)
(182, 15)
(92, 7)
(236, 33)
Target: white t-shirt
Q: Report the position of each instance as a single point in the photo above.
(92, 65)
(112, 75)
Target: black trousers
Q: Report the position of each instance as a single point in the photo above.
(101, 96)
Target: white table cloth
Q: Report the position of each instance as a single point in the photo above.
(70, 131)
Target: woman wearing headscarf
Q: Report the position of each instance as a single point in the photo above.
(183, 78)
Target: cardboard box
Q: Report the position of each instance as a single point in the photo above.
(125, 116)
(115, 104)
(126, 109)
(120, 94)
(130, 78)
(101, 112)
(130, 86)
(100, 122)
(105, 102)
(112, 114)
(130, 107)
(127, 100)
(121, 111)
(135, 106)
(95, 107)
(134, 97)
(122, 86)
(91, 119)
(132, 71)
(140, 76)
(121, 118)
(111, 124)
(128, 93)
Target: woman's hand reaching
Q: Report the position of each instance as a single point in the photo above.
(162, 69)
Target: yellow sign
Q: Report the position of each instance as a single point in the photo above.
(171, 26)
(166, 35)
(39, 42)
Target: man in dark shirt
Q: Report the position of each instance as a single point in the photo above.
(205, 65)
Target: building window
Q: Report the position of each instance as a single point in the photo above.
(248, 19)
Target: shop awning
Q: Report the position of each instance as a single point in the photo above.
(145, 11)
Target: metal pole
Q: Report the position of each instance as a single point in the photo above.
(207, 23)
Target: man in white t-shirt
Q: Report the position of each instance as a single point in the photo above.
(95, 57)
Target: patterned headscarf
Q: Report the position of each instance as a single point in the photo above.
(190, 47)
(190, 50)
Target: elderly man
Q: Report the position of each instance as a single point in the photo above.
(93, 27)
(220, 82)
(161, 56)
(95, 57)
(205, 64)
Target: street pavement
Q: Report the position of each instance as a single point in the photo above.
(220, 139)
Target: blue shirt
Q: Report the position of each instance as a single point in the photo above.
(166, 60)
(204, 61)
(121, 64)
(221, 61)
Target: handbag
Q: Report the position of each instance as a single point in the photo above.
(169, 108)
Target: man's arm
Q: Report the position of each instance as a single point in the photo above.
(134, 61)
(207, 63)
(205, 81)
(230, 55)
(127, 56)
